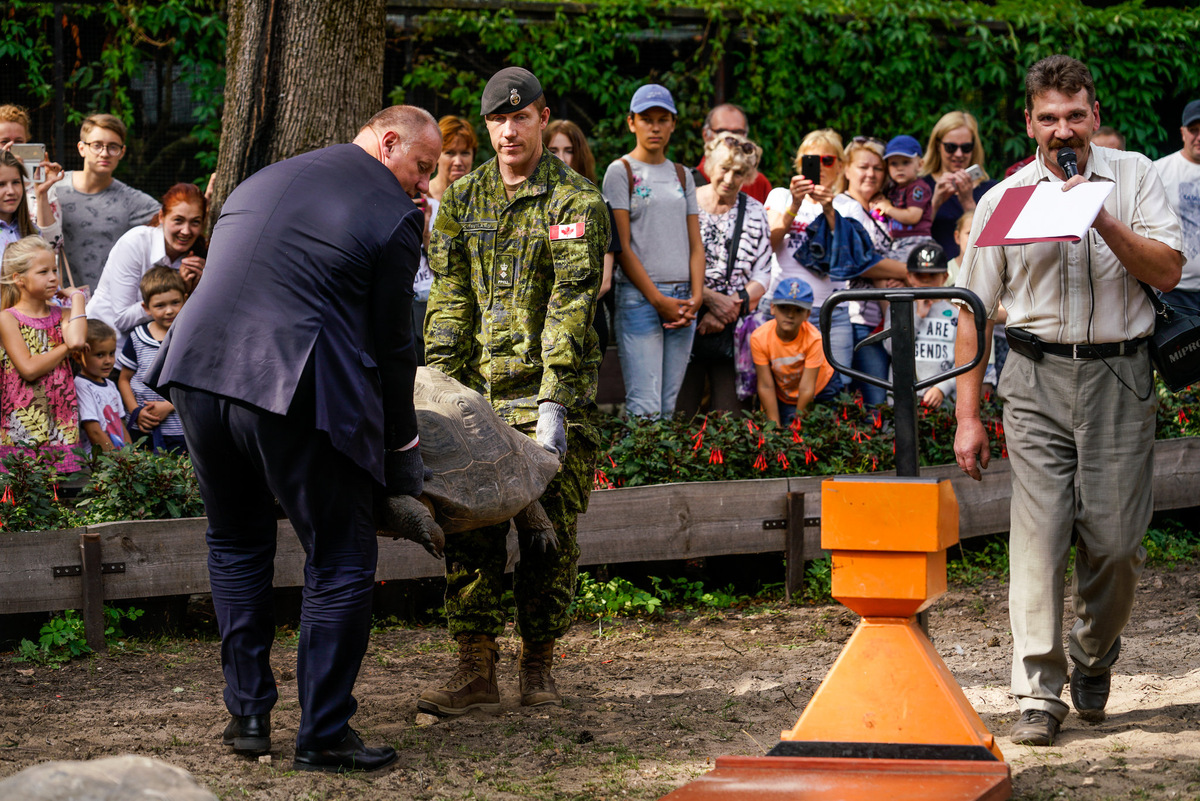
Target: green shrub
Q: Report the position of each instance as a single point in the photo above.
(29, 496)
(129, 484)
(63, 638)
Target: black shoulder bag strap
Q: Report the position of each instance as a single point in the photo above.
(731, 258)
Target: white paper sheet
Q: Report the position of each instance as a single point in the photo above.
(1051, 212)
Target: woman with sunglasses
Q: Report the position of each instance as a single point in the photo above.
(954, 145)
(793, 208)
(737, 269)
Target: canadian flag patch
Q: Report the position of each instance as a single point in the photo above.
(573, 231)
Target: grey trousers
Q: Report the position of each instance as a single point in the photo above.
(1081, 447)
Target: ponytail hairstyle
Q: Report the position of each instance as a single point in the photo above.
(18, 257)
(21, 217)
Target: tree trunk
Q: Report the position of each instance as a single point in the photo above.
(300, 74)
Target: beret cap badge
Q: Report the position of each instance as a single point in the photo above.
(514, 97)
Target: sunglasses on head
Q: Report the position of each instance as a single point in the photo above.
(868, 140)
(951, 147)
(745, 147)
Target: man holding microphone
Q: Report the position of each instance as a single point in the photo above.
(1078, 396)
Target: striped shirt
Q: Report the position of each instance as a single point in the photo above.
(138, 354)
(1049, 288)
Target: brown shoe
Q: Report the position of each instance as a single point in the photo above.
(1034, 727)
(473, 685)
(537, 686)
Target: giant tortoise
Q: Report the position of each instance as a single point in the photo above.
(484, 471)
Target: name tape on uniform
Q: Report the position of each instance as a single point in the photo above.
(573, 231)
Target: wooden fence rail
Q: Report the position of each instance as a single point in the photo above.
(50, 570)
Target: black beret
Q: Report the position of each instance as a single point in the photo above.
(511, 89)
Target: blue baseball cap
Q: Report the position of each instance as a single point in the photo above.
(903, 145)
(793, 292)
(652, 95)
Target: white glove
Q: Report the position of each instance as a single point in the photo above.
(552, 427)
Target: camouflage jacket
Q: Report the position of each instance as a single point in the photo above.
(514, 288)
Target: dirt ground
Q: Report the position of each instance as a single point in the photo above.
(649, 706)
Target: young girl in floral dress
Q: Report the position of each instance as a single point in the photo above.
(37, 391)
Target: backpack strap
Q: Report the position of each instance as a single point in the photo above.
(629, 174)
(679, 173)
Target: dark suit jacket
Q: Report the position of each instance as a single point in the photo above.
(311, 266)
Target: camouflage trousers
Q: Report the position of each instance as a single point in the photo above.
(543, 584)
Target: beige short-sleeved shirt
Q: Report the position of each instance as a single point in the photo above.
(1046, 287)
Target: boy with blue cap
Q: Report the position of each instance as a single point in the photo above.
(788, 356)
(909, 202)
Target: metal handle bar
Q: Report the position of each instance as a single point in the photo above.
(903, 296)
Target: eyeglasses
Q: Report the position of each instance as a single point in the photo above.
(738, 131)
(101, 147)
(745, 147)
(951, 147)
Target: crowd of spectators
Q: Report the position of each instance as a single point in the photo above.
(712, 274)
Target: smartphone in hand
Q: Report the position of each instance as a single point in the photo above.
(810, 168)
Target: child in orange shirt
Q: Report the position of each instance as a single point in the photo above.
(788, 357)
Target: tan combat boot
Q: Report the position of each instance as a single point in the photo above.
(473, 685)
(537, 686)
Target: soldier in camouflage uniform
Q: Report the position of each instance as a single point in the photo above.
(517, 251)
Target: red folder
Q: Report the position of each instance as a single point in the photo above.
(1005, 214)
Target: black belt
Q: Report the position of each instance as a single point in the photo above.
(1105, 350)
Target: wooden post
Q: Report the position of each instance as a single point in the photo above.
(793, 546)
(93, 590)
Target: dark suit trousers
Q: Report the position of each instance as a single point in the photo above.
(244, 459)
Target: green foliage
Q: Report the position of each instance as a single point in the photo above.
(169, 34)
(979, 560)
(129, 484)
(818, 581)
(683, 592)
(843, 437)
(29, 499)
(62, 638)
(1170, 543)
(839, 438)
(860, 66)
(618, 596)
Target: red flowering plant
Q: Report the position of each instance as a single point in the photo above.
(829, 439)
(843, 437)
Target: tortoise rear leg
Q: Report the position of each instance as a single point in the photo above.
(534, 529)
(409, 517)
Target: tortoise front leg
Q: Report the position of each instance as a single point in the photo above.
(534, 529)
(410, 518)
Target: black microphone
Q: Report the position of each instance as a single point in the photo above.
(1068, 162)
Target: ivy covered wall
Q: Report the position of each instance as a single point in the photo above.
(875, 67)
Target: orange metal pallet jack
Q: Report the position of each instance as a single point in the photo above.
(889, 721)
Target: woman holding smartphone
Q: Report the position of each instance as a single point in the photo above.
(953, 168)
(660, 285)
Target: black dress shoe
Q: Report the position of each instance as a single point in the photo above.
(1089, 694)
(249, 734)
(349, 754)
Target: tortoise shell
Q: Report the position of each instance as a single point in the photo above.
(484, 470)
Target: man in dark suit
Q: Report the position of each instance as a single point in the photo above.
(292, 367)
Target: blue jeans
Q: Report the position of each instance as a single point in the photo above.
(841, 338)
(872, 360)
(653, 359)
